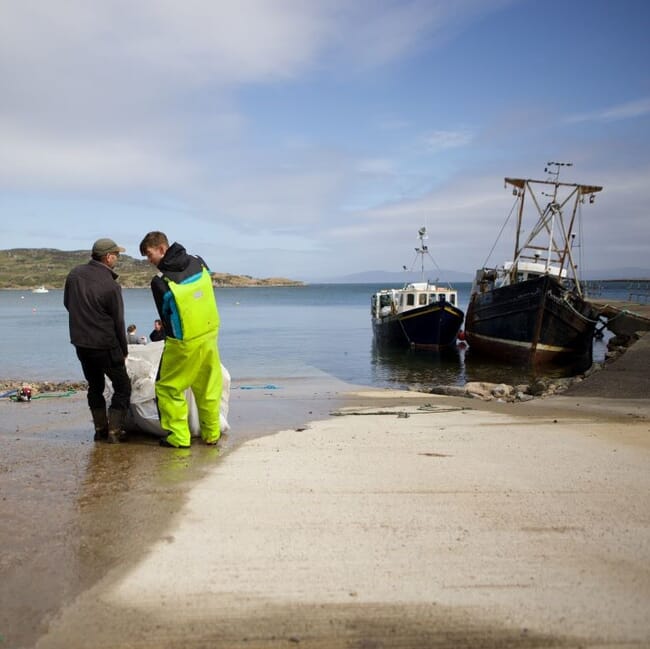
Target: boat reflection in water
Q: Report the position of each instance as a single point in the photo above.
(417, 370)
(420, 370)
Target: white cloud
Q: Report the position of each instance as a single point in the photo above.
(128, 92)
(52, 160)
(376, 166)
(440, 140)
(375, 33)
(187, 42)
(628, 110)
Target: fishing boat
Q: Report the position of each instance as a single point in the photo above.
(421, 315)
(40, 289)
(532, 310)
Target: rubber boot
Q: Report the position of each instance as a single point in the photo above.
(115, 422)
(100, 420)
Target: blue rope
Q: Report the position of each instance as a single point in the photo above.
(270, 386)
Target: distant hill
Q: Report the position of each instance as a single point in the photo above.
(387, 277)
(27, 268)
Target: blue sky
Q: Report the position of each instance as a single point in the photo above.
(311, 139)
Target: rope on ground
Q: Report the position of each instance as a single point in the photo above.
(428, 407)
(55, 395)
(402, 414)
(269, 386)
(13, 396)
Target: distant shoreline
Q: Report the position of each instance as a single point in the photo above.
(30, 289)
(301, 284)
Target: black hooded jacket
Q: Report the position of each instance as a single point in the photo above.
(176, 265)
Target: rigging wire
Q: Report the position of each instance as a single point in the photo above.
(500, 232)
(430, 256)
(423, 251)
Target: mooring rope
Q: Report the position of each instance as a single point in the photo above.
(14, 396)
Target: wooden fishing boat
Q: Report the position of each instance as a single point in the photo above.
(532, 309)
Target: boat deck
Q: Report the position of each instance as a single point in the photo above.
(623, 317)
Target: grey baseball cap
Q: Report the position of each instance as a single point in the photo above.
(102, 247)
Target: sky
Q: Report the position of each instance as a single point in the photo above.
(312, 139)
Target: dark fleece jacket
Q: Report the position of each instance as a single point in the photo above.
(94, 301)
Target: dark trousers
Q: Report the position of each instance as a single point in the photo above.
(97, 363)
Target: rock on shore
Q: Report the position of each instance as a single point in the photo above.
(7, 385)
(542, 387)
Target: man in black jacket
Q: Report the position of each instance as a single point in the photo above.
(96, 318)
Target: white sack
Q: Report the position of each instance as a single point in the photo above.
(142, 367)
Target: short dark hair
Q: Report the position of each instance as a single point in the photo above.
(151, 240)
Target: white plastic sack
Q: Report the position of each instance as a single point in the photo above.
(142, 367)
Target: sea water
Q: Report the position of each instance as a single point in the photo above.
(267, 334)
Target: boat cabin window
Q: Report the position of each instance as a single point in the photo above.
(422, 298)
(384, 300)
(452, 298)
(410, 299)
(441, 297)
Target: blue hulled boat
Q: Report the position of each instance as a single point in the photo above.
(421, 315)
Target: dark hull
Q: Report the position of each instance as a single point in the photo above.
(532, 322)
(434, 326)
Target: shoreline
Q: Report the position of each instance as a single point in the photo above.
(539, 388)
(408, 519)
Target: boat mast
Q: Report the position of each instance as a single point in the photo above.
(422, 250)
(519, 191)
(553, 207)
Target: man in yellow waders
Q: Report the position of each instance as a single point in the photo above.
(186, 304)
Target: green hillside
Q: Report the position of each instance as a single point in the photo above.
(27, 268)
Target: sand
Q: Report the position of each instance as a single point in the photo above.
(401, 520)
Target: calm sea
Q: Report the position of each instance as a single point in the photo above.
(266, 334)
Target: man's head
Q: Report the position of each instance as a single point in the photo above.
(106, 251)
(154, 246)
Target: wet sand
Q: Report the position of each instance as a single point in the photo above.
(408, 520)
(72, 510)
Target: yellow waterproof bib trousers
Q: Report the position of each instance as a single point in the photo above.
(190, 364)
(190, 359)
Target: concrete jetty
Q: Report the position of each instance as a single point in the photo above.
(623, 317)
